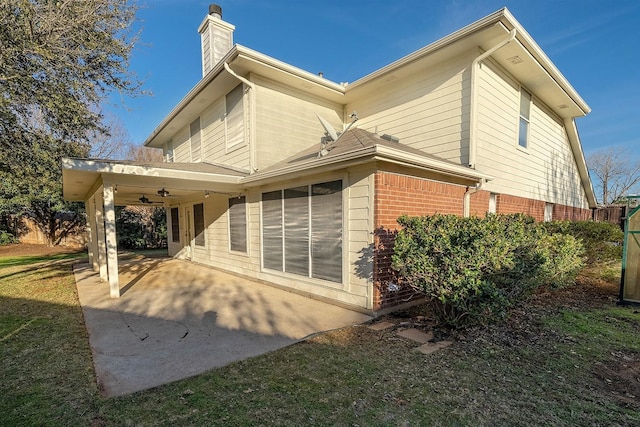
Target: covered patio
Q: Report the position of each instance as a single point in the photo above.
(177, 319)
(104, 184)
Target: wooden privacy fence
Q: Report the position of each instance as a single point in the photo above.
(612, 214)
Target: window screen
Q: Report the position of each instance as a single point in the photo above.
(198, 223)
(296, 230)
(272, 243)
(326, 231)
(238, 224)
(235, 116)
(302, 230)
(175, 225)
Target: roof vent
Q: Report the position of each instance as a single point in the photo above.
(390, 138)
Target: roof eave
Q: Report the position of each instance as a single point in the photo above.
(379, 152)
(504, 17)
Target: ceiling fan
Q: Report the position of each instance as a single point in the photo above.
(163, 193)
(145, 200)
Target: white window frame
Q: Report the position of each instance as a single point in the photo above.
(234, 145)
(524, 119)
(204, 226)
(493, 203)
(169, 152)
(246, 227)
(175, 238)
(548, 212)
(344, 231)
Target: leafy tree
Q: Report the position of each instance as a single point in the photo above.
(58, 61)
(616, 173)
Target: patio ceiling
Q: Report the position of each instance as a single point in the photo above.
(132, 180)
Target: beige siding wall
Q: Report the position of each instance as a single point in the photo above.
(428, 110)
(182, 146)
(214, 147)
(356, 289)
(547, 169)
(213, 138)
(285, 121)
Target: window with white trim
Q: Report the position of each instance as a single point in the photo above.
(302, 230)
(238, 224)
(234, 118)
(525, 110)
(175, 225)
(168, 153)
(493, 203)
(548, 212)
(195, 138)
(198, 224)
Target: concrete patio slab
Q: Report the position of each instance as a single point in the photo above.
(177, 319)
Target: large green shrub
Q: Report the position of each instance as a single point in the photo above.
(602, 241)
(473, 269)
(7, 238)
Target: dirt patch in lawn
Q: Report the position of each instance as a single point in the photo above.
(620, 376)
(25, 249)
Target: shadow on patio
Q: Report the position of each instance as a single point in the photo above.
(177, 319)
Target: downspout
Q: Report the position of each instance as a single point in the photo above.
(474, 96)
(466, 201)
(252, 134)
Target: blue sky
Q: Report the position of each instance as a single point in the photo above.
(594, 43)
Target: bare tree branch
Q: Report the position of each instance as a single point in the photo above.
(617, 173)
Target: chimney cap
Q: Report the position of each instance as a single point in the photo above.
(215, 9)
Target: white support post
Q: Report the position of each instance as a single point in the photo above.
(112, 244)
(101, 245)
(90, 207)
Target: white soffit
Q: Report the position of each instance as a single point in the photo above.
(81, 176)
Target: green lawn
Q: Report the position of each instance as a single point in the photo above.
(554, 363)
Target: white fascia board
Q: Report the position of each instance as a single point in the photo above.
(578, 154)
(289, 69)
(199, 87)
(309, 165)
(369, 153)
(96, 166)
(427, 50)
(504, 17)
(431, 164)
(536, 51)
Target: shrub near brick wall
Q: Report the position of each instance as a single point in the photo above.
(397, 195)
(473, 269)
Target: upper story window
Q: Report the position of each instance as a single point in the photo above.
(525, 109)
(194, 135)
(168, 154)
(234, 119)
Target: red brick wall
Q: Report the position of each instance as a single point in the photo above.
(397, 195)
(562, 212)
(507, 204)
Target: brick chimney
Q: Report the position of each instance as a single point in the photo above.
(216, 37)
